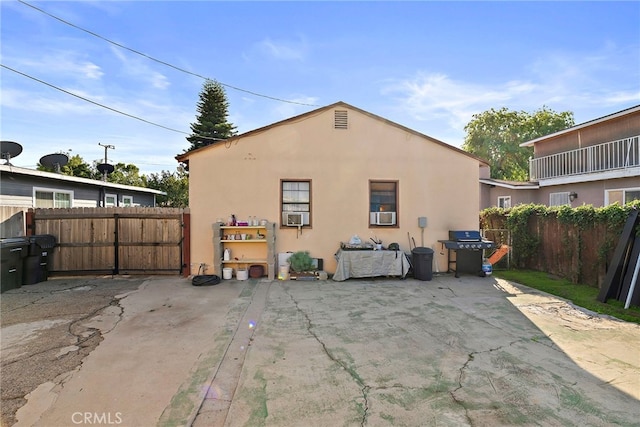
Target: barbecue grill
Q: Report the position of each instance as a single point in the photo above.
(468, 248)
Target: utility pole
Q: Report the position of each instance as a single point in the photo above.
(106, 147)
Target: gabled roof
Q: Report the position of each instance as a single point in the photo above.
(583, 125)
(184, 158)
(74, 179)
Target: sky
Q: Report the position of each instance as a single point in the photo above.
(426, 65)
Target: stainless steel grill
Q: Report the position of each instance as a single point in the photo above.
(466, 251)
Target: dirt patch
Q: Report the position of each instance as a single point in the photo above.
(50, 327)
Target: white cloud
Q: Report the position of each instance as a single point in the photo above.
(285, 50)
(138, 69)
(435, 95)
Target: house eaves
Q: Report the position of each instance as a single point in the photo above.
(74, 179)
(184, 158)
(511, 185)
(582, 126)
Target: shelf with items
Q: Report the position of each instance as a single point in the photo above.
(260, 249)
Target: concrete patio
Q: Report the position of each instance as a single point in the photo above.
(451, 351)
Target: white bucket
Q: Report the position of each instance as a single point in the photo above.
(227, 273)
(283, 272)
(242, 274)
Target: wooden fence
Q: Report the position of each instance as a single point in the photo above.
(580, 254)
(114, 240)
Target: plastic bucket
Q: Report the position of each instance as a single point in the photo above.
(242, 274)
(227, 273)
(283, 272)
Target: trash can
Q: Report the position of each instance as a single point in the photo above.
(422, 259)
(37, 263)
(14, 250)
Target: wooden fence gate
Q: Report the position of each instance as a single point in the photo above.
(114, 240)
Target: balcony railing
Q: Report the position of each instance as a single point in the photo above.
(620, 154)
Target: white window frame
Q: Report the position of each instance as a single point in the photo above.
(624, 194)
(53, 191)
(504, 202)
(564, 195)
(127, 201)
(115, 200)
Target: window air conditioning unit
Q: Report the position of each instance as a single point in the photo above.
(382, 218)
(294, 219)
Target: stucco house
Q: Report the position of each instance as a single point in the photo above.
(327, 175)
(595, 163)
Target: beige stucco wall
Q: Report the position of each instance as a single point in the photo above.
(243, 177)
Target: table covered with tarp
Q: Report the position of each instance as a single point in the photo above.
(370, 263)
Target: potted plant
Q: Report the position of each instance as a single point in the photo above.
(301, 264)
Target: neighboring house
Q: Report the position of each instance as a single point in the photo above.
(344, 172)
(595, 163)
(22, 187)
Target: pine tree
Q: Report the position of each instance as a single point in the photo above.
(211, 122)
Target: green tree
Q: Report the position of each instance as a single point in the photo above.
(211, 122)
(496, 135)
(127, 174)
(176, 185)
(75, 167)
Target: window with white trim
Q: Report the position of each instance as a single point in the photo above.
(622, 196)
(504, 202)
(127, 200)
(110, 200)
(559, 199)
(49, 198)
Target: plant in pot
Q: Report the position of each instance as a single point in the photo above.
(301, 264)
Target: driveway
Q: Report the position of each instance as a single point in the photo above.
(451, 351)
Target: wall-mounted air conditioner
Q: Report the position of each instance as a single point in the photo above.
(382, 218)
(295, 219)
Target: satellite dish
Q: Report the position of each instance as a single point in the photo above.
(105, 168)
(54, 161)
(9, 150)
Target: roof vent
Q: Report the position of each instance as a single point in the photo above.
(340, 119)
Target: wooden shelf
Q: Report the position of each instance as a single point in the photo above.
(245, 261)
(264, 253)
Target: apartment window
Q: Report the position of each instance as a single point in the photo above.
(622, 196)
(127, 200)
(46, 198)
(504, 202)
(383, 203)
(295, 196)
(110, 200)
(559, 199)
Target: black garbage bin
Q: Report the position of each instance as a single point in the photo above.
(14, 250)
(422, 259)
(37, 263)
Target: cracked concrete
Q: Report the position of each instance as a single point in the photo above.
(48, 329)
(453, 351)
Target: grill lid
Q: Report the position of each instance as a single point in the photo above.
(465, 235)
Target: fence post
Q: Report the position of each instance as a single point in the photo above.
(186, 243)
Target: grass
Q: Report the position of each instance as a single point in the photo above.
(581, 295)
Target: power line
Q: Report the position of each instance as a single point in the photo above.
(106, 106)
(160, 61)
